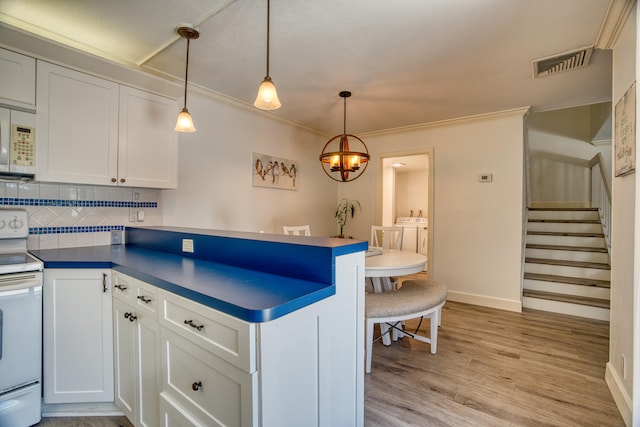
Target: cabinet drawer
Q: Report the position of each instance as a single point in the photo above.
(225, 336)
(172, 415)
(146, 297)
(122, 286)
(141, 295)
(205, 385)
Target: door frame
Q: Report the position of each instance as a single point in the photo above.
(430, 188)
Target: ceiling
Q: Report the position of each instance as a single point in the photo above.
(407, 62)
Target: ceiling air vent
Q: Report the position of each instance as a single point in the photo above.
(562, 62)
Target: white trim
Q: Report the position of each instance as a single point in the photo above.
(570, 309)
(106, 409)
(522, 111)
(562, 204)
(485, 301)
(620, 395)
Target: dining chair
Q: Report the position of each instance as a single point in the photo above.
(416, 298)
(386, 237)
(297, 230)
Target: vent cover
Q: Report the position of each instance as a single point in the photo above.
(562, 62)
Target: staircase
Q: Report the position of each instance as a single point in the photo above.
(567, 267)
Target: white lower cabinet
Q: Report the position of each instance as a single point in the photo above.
(189, 365)
(77, 336)
(209, 376)
(136, 350)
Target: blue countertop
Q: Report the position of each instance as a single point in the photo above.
(254, 277)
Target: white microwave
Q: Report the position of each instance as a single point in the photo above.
(17, 144)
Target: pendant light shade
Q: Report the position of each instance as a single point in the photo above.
(185, 122)
(267, 98)
(344, 157)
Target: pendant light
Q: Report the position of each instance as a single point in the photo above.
(185, 122)
(267, 98)
(338, 157)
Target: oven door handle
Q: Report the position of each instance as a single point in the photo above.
(18, 283)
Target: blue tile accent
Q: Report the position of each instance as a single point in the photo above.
(80, 229)
(15, 201)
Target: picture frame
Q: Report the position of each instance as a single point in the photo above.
(625, 133)
(274, 172)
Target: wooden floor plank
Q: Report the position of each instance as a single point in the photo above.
(494, 368)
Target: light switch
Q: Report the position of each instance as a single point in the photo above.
(485, 177)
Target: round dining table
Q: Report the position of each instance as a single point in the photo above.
(381, 264)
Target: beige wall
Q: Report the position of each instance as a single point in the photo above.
(623, 263)
(560, 151)
(411, 193)
(477, 227)
(215, 187)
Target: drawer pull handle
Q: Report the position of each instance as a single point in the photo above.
(122, 288)
(144, 299)
(132, 317)
(196, 386)
(193, 325)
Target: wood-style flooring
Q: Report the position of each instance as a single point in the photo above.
(494, 368)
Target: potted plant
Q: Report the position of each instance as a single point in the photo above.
(345, 210)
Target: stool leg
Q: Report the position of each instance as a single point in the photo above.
(385, 333)
(369, 346)
(434, 331)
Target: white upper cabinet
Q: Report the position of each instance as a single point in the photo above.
(94, 131)
(77, 127)
(18, 80)
(148, 145)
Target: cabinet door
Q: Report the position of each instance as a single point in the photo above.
(77, 334)
(137, 363)
(77, 127)
(18, 82)
(148, 377)
(148, 145)
(124, 359)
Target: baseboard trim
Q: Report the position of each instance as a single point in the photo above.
(620, 396)
(107, 409)
(485, 301)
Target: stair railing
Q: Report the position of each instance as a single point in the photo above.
(601, 195)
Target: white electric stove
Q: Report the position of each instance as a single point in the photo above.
(20, 323)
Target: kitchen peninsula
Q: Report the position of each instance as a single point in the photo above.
(245, 328)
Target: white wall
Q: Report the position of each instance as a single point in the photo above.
(477, 226)
(412, 193)
(559, 151)
(623, 264)
(214, 183)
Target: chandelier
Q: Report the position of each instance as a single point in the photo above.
(344, 157)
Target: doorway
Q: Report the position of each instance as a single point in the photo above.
(405, 186)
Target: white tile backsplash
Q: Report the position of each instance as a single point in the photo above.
(56, 217)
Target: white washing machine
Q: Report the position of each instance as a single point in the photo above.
(415, 236)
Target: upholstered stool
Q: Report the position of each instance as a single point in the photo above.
(416, 298)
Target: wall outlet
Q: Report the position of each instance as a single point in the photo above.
(187, 245)
(116, 237)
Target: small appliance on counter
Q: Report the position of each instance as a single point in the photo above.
(20, 323)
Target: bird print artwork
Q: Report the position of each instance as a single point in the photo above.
(274, 172)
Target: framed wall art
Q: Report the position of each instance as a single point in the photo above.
(625, 133)
(274, 172)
